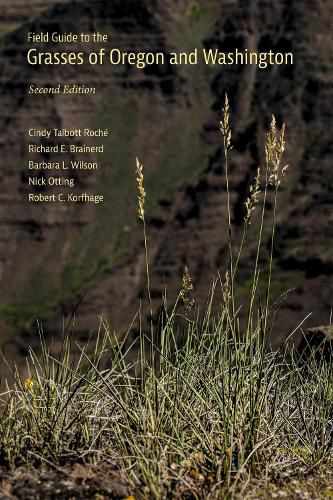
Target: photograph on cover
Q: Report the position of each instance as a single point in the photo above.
(166, 249)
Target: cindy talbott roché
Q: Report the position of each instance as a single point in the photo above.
(62, 89)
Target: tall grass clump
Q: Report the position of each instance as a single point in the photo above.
(206, 405)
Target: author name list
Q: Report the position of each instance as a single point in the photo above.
(60, 161)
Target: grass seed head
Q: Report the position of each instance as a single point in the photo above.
(141, 190)
(224, 125)
(253, 199)
(226, 289)
(187, 287)
(274, 150)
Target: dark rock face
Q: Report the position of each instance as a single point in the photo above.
(316, 337)
(174, 113)
(317, 341)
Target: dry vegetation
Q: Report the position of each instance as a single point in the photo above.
(205, 411)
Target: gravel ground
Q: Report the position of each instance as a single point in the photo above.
(104, 482)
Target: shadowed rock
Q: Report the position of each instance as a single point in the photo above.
(317, 341)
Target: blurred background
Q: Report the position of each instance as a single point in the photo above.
(168, 116)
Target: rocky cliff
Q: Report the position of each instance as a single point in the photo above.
(168, 116)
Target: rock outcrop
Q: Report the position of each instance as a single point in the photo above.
(169, 118)
(318, 342)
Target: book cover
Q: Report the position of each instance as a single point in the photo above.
(166, 249)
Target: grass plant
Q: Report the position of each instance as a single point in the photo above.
(205, 407)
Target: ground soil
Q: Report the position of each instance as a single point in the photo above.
(104, 482)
